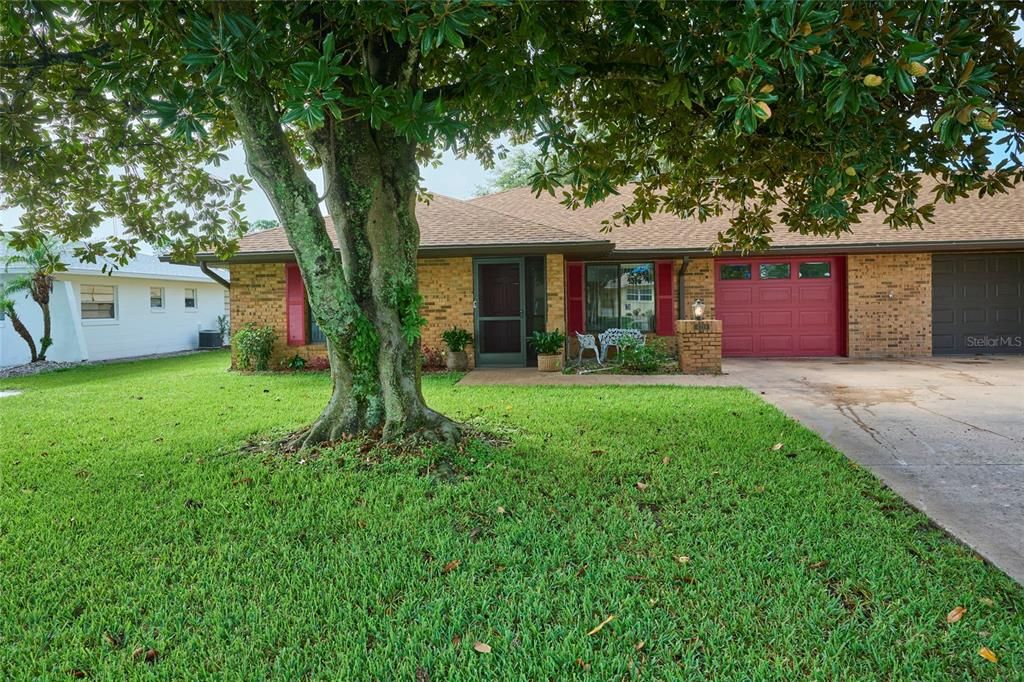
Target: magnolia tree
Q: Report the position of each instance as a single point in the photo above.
(803, 115)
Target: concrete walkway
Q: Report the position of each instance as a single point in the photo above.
(946, 434)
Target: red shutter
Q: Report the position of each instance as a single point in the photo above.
(295, 304)
(664, 311)
(574, 294)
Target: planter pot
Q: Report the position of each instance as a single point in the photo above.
(549, 363)
(457, 361)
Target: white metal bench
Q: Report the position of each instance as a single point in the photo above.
(614, 337)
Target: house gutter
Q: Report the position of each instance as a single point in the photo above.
(588, 249)
(204, 267)
(867, 247)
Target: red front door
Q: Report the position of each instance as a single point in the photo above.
(779, 307)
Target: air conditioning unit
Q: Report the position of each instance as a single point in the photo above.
(210, 338)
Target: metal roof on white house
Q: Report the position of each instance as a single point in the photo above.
(143, 266)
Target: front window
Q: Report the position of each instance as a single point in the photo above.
(190, 299)
(620, 295)
(156, 298)
(98, 302)
(316, 335)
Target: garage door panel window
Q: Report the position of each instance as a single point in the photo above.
(774, 270)
(815, 270)
(734, 271)
(620, 295)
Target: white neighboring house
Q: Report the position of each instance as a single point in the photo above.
(143, 308)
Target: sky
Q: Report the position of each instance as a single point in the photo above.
(455, 177)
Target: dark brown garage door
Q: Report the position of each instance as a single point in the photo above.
(978, 303)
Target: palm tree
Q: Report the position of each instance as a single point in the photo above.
(42, 260)
(7, 308)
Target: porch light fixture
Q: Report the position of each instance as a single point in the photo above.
(698, 309)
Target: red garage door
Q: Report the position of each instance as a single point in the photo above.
(776, 307)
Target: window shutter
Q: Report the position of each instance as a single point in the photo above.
(664, 313)
(295, 304)
(574, 295)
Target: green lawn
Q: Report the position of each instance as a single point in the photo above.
(130, 518)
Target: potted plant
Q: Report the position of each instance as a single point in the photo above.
(457, 339)
(549, 347)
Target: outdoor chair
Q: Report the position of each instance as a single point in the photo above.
(588, 342)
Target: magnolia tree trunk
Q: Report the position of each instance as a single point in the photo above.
(364, 293)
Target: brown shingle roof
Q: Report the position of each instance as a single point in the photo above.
(989, 220)
(451, 224)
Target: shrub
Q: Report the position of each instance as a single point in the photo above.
(255, 345)
(295, 362)
(643, 359)
(432, 359)
(456, 339)
(547, 343)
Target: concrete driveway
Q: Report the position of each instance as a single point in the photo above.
(946, 434)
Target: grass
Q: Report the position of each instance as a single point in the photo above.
(132, 519)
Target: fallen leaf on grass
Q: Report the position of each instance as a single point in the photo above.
(451, 566)
(601, 625)
(639, 645)
(501, 510)
(640, 485)
(683, 559)
(583, 664)
(988, 654)
(116, 641)
(955, 615)
(456, 640)
(481, 648)
(776, 447)
(148, 655)
(665, 460)
(986, 601)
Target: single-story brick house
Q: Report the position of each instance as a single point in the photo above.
(506, 264)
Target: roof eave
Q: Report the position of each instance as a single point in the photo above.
(588, 248)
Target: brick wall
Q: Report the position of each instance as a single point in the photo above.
(554, 269)
(258, 290)
(699, 282)
(889, 305)
(446, 285)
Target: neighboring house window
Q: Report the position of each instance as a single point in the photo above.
(190, 299)
(315, 335)
(156, 298)
(99, 302)
(620, 295)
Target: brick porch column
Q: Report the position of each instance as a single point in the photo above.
(700, 346)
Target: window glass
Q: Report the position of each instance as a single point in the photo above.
(316, 335)
(190, 298)
(774, 270)
(815, 270)
(619, 295)
(98, 302)
(156, 298)
(734, 271)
